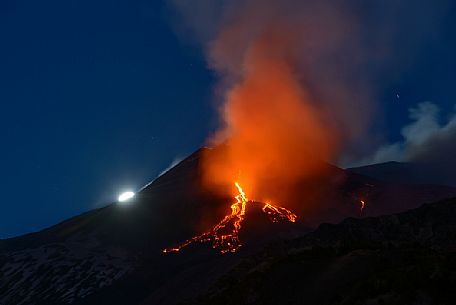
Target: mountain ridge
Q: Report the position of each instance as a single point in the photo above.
(406, 173)
(420, 243)
(114, 253)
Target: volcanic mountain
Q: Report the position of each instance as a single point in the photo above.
(405, 258)
(408, 172)
(114, 254)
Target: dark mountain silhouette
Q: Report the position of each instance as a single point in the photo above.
(408, 173)
(113, 254)
(406, 258)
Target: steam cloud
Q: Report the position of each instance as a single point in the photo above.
(297, 80)
(425, 141)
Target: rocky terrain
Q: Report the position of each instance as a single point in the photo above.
(407, 258)
(113, 255)
(59, 272)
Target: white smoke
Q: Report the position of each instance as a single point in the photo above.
(425, 139)
(343, 55)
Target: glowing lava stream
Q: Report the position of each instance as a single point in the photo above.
(226, 240)
(362, 204)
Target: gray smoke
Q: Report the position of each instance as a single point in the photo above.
(343, 51)
(425, 139)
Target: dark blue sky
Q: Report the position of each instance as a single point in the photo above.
(95, 96)
(99, 96)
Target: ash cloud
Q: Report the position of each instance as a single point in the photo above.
(342, 53)
(299, 79)
(326, 48)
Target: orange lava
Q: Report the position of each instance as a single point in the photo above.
(224, 236)
(362, 205)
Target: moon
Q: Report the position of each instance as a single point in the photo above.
(125, 196)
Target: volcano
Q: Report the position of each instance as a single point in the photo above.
(229, 241)
(114, 254)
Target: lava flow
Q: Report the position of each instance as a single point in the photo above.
(362, 204)
(224, 236)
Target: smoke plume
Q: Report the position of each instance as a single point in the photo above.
(426, 142)
(296, 83)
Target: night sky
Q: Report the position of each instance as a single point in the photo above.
(100, 96)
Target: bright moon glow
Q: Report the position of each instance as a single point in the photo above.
(126, 196)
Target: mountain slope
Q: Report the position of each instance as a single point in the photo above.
(113, 254)
(407, 258)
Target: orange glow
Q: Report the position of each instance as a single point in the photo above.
(362, 204)
(225, 239)
(274, 133)
(278, 213)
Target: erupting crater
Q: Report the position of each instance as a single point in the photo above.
(224, 236)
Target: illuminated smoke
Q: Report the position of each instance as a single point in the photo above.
(274, 130)
(335, 57)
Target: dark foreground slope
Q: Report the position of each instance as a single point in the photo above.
(113, 255)
(407, 258)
